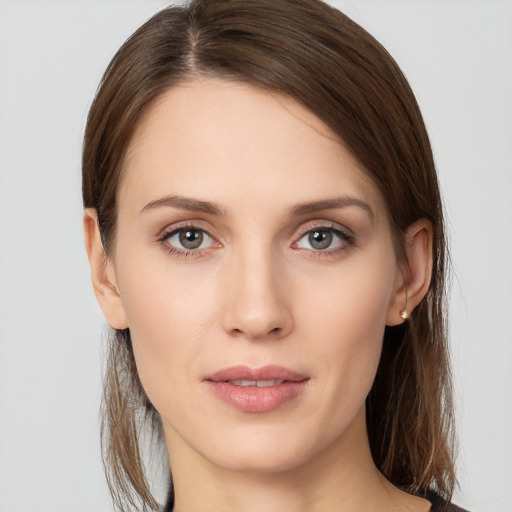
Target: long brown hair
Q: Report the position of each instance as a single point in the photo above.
(321, 58)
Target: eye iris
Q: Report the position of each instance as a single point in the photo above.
(320, 239)
(191, 239)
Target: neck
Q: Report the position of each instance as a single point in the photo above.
(341, 478)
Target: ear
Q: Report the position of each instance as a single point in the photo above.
(102, 273)
(413, 282)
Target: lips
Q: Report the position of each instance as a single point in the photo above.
(258, 390)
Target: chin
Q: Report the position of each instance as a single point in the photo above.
(271, 459)
(273, 448)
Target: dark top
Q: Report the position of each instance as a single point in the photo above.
(438, 504)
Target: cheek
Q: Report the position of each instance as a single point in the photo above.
(353, 299)
(169, 311)
(347, 321)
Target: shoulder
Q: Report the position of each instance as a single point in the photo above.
(441, 505)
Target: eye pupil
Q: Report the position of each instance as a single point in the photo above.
(191, 239)
(320, 239)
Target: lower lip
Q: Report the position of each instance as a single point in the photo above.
(254, 399)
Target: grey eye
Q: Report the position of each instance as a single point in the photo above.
(320, 239)
(189, 239)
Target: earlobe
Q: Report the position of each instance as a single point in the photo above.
(413, 284)
(102, 273)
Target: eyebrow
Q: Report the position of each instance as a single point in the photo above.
(184, 203)
(197, 205)
(329, 204)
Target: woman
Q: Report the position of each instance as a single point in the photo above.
(265, 234)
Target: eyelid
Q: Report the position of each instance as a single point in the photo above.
(178, 226)
(324, 225)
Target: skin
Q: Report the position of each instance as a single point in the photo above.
(256, 292)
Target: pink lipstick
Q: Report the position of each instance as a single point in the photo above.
(256, 389)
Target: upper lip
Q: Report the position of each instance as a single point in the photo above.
(242, 372)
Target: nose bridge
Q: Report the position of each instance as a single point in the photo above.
(257, 305)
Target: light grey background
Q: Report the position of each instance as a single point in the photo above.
(458, 57)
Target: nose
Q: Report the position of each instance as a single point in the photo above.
(257, 304)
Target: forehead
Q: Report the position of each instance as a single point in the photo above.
(232, 143)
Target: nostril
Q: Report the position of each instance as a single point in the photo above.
(271, 333)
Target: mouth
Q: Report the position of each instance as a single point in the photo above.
(257, 383)
(257, 390)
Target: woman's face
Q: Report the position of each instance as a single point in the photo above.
(255, 267)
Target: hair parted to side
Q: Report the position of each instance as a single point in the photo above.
(321, 58)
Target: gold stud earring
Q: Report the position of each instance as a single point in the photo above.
(404, 314)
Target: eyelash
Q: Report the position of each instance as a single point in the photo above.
(347, 240)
